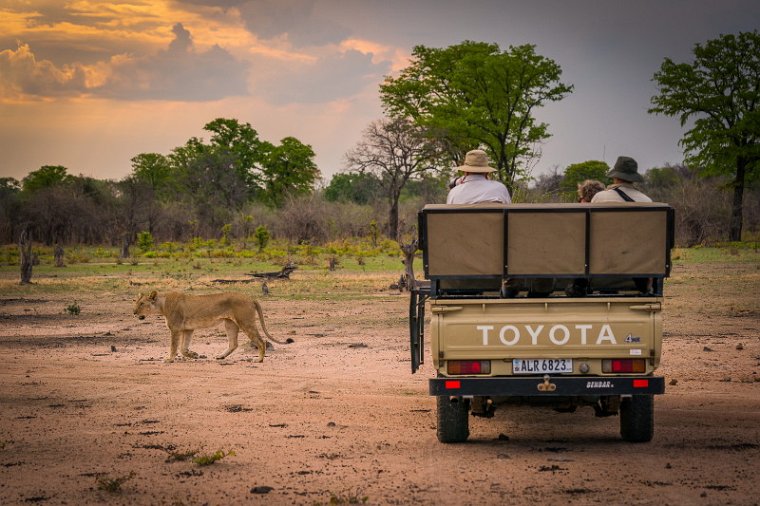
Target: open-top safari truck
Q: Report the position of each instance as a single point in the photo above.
(544, 304)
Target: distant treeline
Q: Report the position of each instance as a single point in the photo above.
(210, 200)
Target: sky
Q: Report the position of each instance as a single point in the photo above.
(90, 84)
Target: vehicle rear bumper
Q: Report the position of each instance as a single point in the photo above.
(541, 386)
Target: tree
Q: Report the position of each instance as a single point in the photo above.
(718, 95)
(26, 256)
(10, 203)
(288, 169)
(473, 94)
(579, 172)
(395, 150)
(358, 187)
(242, 141)
(46, 176)
(155, 171)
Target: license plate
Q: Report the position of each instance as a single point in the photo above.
(541, 365)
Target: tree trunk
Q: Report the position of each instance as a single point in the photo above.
(126, 242)
(58, 255)
(735, 228)
(27, 258)
(393, 220)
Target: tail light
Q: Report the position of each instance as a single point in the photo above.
(468, 367)
(624, 365)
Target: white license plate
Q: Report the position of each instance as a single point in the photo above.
(541, 365)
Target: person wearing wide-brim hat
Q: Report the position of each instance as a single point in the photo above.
(623, 175)
(474, 186)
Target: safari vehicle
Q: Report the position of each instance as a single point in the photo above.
(553, 305)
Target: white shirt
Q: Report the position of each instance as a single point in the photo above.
(476, 188)
(610, 195)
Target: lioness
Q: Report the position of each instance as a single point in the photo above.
(185, 313)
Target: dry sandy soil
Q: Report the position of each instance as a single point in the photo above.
(336, 417)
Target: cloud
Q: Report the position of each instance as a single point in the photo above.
(22, 74)
(302, 22)
(224, 4)
(326, 79)
(179, 72)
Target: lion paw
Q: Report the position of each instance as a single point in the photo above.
(190, 354)
(168, 360)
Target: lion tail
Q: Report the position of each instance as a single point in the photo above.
(264, 326)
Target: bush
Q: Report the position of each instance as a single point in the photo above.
(145, 241)
(262, 237)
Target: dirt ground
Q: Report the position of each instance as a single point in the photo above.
(87, 404)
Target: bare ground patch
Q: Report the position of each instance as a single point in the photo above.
(337, 416)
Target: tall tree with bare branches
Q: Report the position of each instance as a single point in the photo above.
(395, 150)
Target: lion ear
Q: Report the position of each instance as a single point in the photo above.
(153, 295)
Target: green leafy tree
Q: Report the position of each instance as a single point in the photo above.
(358, 187)
(288, 169)
(717, 95)
(46, 176)
(155, 171)
(242, 141)
(209, 183)
(473, 94)
(579, 172)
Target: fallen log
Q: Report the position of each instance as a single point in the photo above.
(283, 273)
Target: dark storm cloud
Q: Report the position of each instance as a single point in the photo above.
(330, 78)
(302, 20)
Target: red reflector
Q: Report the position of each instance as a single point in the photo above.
(451, 385)
(640, 383)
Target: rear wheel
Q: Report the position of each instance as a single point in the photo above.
(453, 418)
(637, 418)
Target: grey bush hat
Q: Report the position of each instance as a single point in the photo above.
(626, 169)
(476, 161)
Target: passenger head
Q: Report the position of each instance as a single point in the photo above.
(626, 170)
(589, 188)
(476, 162)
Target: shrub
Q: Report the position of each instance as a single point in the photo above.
(208, 459)
(145, 241)
(262, 237)
(113, 485)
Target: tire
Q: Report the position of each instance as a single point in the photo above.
(637, 418)
(453, 418)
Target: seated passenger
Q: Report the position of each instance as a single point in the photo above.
(587, 190)
(474, 186)
(623, 174)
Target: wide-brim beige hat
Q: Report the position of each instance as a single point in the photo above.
(476, 161)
